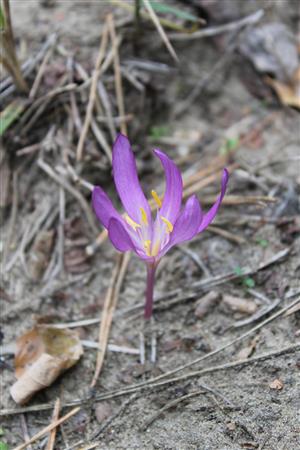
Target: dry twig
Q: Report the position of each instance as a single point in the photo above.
(118, 78)
(48, 428)
(108, 311)
(160, 30)
(51, 441)
(93, 93)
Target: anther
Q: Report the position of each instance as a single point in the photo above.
(144, 216)
(156, 198)
(131, 222)
(147, 245)
(168, 223)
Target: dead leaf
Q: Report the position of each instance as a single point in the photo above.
(242, 305)
(42, 354)
(288, 93)
(276, 384)
(206, 303)
(40, 254)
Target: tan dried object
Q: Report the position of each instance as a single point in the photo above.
(42, 354)
(40, 254)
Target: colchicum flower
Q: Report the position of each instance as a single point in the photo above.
(150, 238)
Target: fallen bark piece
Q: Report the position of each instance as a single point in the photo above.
(206, 303)
(42, 354)
(241, 305)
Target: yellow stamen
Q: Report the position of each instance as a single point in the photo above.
(131, 222)
(144, 216)
(156, 198)
(147, 245)
(155, 248)
(168, 223)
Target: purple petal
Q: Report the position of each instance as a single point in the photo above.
(173, 192)
(119, 236)
(211, 214)
(186, 225)
(126, 180)
(103, 206)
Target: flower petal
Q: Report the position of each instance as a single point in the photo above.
(186, 225)
(119, 236)
(126, 180)
(103, 207)
(173, 192)
(211, 214)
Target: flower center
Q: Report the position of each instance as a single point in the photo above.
(157, 231)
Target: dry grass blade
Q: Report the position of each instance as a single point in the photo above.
(93, 93)
(108, 311)
(161, 30)
(51, 441)
(48, 428)
(118, 78)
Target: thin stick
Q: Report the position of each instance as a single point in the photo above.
(48, 428)
(169, 405)
(25, 429)
(227, 235)
(64, 183)
(93, 93)
(40, 74)
(8, 42)
(108, 311)
(213, 31)
(51, 441)
(160, 30)
(13, 217)
(118, 78)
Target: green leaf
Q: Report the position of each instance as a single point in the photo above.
(262, 242)
(3, 446)
(9, 115)
(157, 132)
(238, 270)
(232, 143)
(249, 282)
(167, 9)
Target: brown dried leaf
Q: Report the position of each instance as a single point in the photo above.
(206, 303)
(42, 354)
(276, 384)
(289, 94)
(40, 254)
(242, 305)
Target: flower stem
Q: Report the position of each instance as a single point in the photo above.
(151, 268)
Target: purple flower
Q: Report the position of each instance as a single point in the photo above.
(150, 238)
